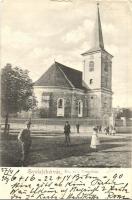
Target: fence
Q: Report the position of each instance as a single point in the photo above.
(48, 125)
(57, 121)
(58, 124)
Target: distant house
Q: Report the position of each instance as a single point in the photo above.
(65, 92)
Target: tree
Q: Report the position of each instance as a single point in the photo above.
(16, 92)
(124, 112)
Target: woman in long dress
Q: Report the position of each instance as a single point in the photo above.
(95, 139)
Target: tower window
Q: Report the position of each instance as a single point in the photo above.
(91, 66)
(106, 67)
(106, 82)
(91, 81)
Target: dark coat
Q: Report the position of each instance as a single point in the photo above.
(67, 129)
(24, 137)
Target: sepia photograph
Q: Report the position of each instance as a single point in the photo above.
(66, 95)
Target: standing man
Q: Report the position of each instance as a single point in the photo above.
(78, 126)
(24, 138)
(67, 132)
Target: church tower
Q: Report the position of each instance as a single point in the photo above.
(97, 75)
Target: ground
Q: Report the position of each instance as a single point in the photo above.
(48, 150)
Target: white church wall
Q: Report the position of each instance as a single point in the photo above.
(95, 75)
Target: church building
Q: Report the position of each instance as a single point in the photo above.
(65, 92)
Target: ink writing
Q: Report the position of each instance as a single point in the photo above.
(64, 186)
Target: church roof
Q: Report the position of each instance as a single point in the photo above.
(61, 75)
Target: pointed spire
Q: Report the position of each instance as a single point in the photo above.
(97, 43)
(98, 36)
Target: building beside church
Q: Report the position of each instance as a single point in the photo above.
(65, 92)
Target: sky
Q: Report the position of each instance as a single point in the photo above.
(35, 33)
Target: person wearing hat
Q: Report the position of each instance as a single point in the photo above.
(24, 138)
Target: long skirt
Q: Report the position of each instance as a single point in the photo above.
(94, 141)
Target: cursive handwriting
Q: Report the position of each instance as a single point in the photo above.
(64, 186)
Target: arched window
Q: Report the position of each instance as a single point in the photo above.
(60, 107)
(91, 66)
(80, 108)
(106, 66)
(60, 103)
(91, 81)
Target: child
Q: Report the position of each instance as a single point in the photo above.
(94, 140)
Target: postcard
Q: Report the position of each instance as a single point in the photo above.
(66, 108)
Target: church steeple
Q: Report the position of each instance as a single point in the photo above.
(97, 42)
(97, 74)
(98, 36)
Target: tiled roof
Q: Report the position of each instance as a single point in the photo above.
(73, 75)
(61, 75)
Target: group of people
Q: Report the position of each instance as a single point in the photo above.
(24, 137)
(110, 130)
